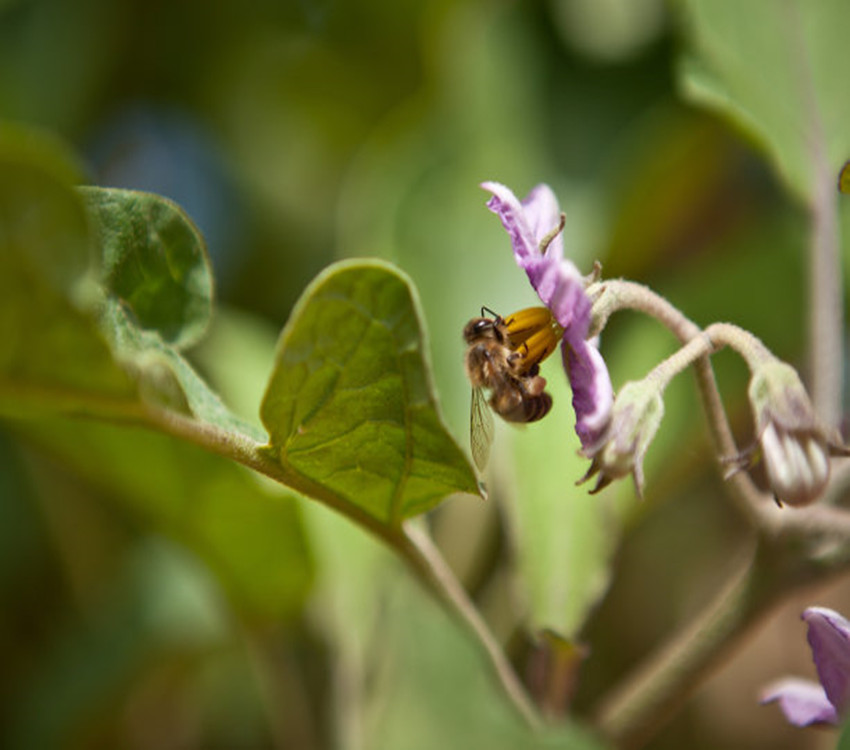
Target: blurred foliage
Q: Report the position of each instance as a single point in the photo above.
(157, 596)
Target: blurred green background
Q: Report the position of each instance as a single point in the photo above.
(296, 133)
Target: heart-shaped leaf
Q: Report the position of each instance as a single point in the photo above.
(350, 405)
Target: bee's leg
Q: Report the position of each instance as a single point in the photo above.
(515, 360)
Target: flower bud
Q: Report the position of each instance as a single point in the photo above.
(635, 418)
(794, 446)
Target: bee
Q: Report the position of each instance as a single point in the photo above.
(503, 356)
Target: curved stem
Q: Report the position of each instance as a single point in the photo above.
(613, 295)
(750, 347)
(699, 346)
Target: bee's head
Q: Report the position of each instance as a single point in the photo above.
(482, 329)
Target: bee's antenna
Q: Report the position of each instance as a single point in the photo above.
(488, 310)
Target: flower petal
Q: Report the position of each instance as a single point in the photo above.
(560, 287)
(829, 637)
(802, 701)
(543, 215)
(557, 281)
(529, 221)
(507, 207)
(593, 395)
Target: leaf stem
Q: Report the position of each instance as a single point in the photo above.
(411, 543)
(429, 564)
(257, 456)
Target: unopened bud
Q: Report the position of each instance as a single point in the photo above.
(794, 446)
(635, 418)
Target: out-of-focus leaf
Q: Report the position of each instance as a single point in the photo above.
(158, 285)
(54, 359)
(48, 336)
(236, 356)
(247, 532)
(350, 404)
(779, 70)
(393, 642)
(683, 173)
(564, 537)
(442, 693)
(158, 603)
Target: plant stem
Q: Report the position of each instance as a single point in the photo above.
(707, 342)
(826, 333)
(779, 564)
(413, 545)
(432, 568)
(612, 295)
(631, 714)
(826, 298)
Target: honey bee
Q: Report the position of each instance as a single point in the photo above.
(503, 356)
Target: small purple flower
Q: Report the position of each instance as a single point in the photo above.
(534, 226)
(805, 702)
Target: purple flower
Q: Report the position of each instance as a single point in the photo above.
(805, 702)
(534, 226)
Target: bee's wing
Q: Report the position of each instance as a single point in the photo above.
(481, 428)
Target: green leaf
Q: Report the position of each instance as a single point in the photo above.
(350, 405)
(157, 604)
(779, 70)
(249, 533)
(154, 261)
(158, 285)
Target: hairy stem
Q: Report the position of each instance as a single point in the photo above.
(612, 295)
(711, 340)
(754, 352)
